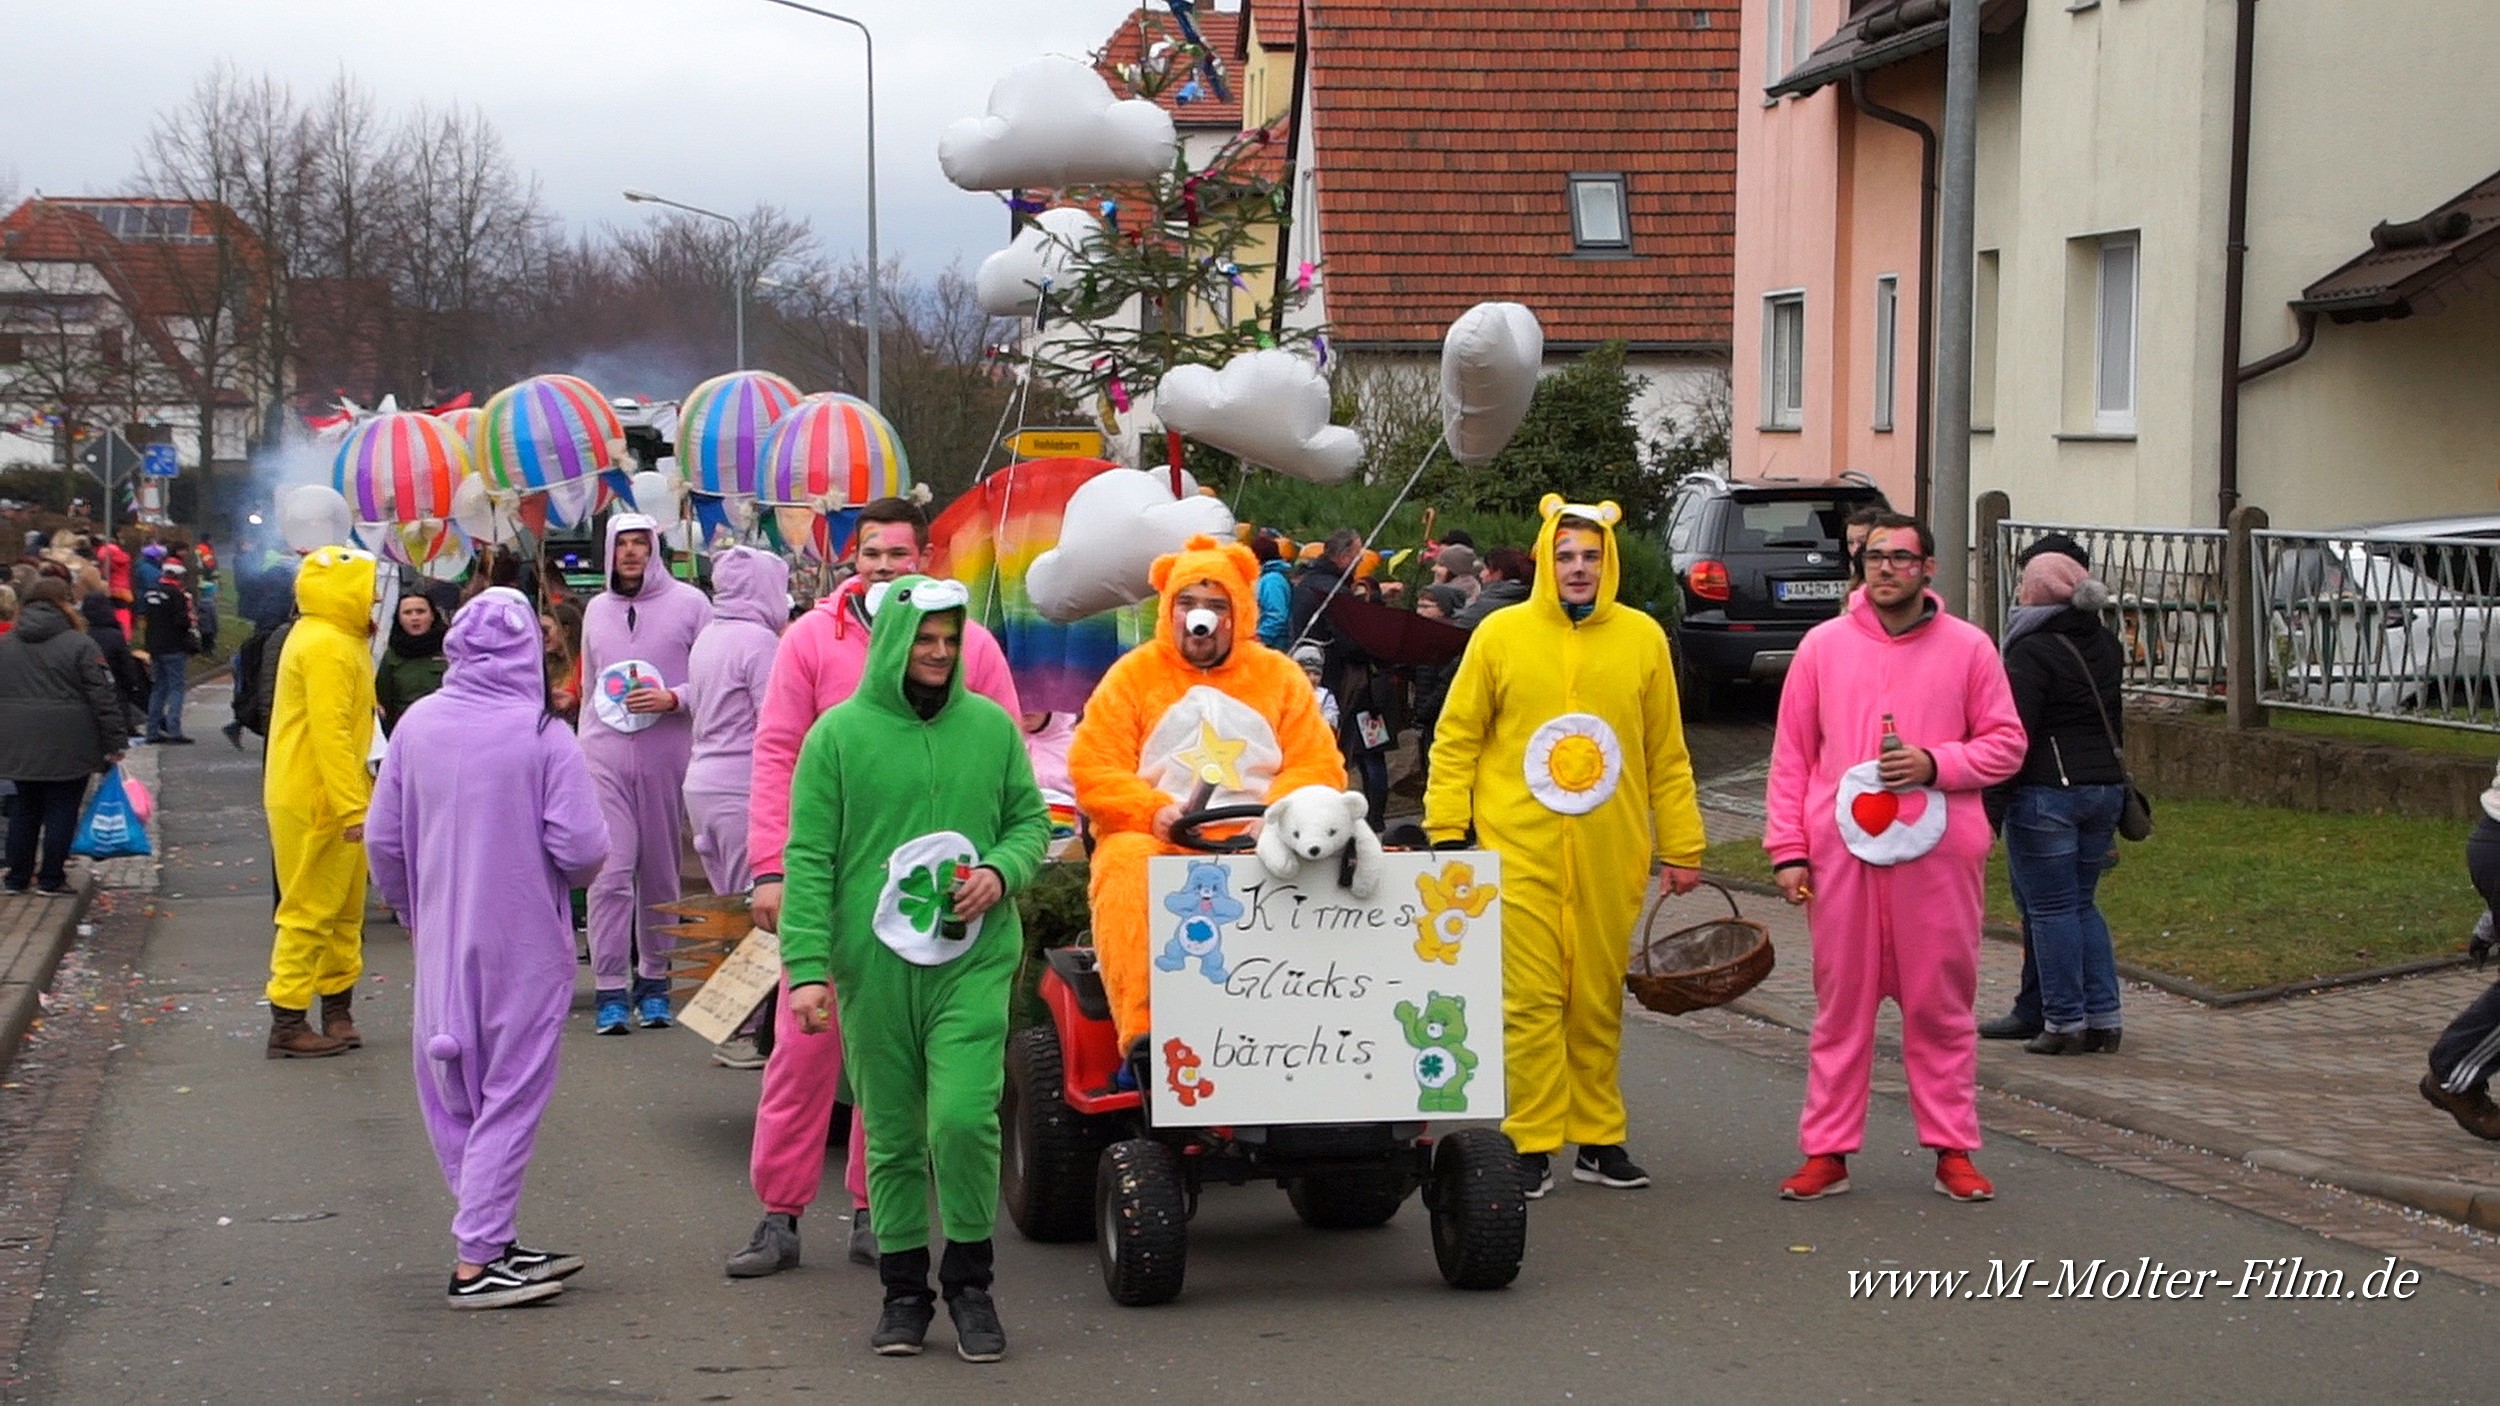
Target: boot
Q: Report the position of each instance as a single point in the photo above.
(904, 1323)
(290, 1037)
(337, 1022)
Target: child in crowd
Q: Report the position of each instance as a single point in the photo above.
(1312, 661)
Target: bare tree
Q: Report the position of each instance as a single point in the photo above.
(467, 231)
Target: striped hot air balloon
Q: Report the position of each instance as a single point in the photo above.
(463, 422)
(545, 431)
(831, 451)
(721, 426)
(400, 467)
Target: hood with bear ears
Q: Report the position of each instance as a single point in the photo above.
(899, 610)
(1546, 593)
(1230, 567)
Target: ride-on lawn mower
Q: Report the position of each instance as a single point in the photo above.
(1302, 1036)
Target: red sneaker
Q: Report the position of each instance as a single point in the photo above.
(1824, 1174)
(1957, 1178)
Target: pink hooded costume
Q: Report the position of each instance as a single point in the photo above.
(641, 775)
(724, 691)
(822, 655)
(482, 820)
(1897, 878)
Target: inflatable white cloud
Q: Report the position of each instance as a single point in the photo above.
(1050, 252)
(312, 516)
(482, 516)
(1489, 365)
(1267, 407)
(1109, 536)
(1053, 122)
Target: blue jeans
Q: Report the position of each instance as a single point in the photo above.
(2055, 840)
(170, 675)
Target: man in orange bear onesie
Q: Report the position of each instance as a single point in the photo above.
(1202, 701)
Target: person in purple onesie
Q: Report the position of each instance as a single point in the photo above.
(726, 675)
(482, 819)
(636, 731)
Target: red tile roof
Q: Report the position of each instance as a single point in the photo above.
(1445, 133)
(152, 279)
(1151, 24)
(1275, 22)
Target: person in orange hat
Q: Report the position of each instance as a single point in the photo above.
(1202, 701)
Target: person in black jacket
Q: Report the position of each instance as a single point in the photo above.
(2061, 810)
(173, 636)
(60, 723)
(130, 677)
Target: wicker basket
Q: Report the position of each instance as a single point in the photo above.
(1695, 968)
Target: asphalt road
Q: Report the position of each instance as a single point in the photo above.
(245, 1229)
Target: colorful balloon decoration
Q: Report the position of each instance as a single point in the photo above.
(463, 421)
(546, 431)
(831, 451)
(721, 426)
(400, 467)
(312, 516)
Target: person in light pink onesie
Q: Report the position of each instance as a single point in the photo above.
(725, 682)
(1887, 845)
(818, 666)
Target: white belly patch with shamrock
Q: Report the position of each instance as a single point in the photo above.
(919, 897)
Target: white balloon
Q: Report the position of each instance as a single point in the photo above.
(1052, 123)
(655, 496)
(1113, 528)
(312, 516)
(1267, 407)
(1049, 253)
(1489, 364)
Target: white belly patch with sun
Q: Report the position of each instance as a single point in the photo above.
(1574, 764)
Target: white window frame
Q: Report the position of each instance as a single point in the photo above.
(1611, 180)
(1778, 411)
(1775, 42)
(1800, 31)
(1887, 347)
(2116, 413)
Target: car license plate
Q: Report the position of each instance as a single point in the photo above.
(1811, 590)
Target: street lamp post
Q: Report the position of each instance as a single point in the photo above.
(876, 303)
(739, 286)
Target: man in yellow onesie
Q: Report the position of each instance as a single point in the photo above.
(1562, 745)
(315, 787)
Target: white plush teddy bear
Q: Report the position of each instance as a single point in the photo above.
(1317, 822)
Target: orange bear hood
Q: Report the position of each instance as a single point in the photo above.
(1228, 566)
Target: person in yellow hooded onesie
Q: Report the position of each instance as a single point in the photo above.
(1562, 746)
(315, 787)
(1202, 699)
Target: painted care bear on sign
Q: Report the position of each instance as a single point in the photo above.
(1205, 904)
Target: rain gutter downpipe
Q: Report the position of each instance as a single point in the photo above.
(2235, 261)
(1926, 270)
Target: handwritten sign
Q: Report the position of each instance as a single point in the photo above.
(750, 977)
(1293, 1001)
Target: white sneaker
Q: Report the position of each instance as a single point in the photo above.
(737, 1052)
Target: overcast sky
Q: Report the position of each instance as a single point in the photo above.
(714, 102)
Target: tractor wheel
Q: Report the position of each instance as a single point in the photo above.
(1047, 1171)
(1479, 1209)
(1141, 1213)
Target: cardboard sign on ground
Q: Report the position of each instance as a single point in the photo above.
(746, 980)
(1292, 1001)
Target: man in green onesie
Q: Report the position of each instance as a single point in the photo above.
(913, 815)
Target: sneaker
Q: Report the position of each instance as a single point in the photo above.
(234, 734)
(1536, 1174)
(500, 1286)
(1958, 1179)
(177, 741)
(773, 1248)
(13, 889)
(1824, 1174)
(904, 1324)
(737, 1052)
(978, 1338)
(539, 1266)
(651, 1013)
(1608, 1165)
(614, 1015)
(863, 1239)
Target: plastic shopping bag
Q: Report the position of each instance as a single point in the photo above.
(109, 830)
(142, 802)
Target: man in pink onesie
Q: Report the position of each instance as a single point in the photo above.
(637, 733)
(818, 666)
(1894, 718)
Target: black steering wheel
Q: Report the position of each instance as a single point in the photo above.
(1185, 829)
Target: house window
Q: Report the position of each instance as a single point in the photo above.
(1801, 31)
(1775, 42)
(1598, 217)
(108, 346)
(1887, 340)
(12, 348)
(2113, 357)
(1783, 361)
(1983, 343)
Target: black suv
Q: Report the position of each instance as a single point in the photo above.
(1759, 562)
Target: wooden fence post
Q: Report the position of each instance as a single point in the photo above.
(2244, 617)
(1987, 607)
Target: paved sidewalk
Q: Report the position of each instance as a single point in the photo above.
(2319, 1086)
(36, 929)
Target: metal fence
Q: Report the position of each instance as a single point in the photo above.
(2166, 605)
(2380, 626)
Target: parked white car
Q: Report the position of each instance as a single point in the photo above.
(2399, 619)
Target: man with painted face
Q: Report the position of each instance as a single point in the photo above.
(637, 733)
(823, 656)
(1203, 699)
(1561, 743)
(1894, 718)
(914, 819)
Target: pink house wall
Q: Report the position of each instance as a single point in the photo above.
(1827, 200)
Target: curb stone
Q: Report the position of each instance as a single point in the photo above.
(28, 962)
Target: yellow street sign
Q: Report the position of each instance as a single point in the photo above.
(1057, 444)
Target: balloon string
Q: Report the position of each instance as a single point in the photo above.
(1377, 528)
(1019, 399)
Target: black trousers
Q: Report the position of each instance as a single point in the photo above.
(41, 826)
(2463, 1057)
